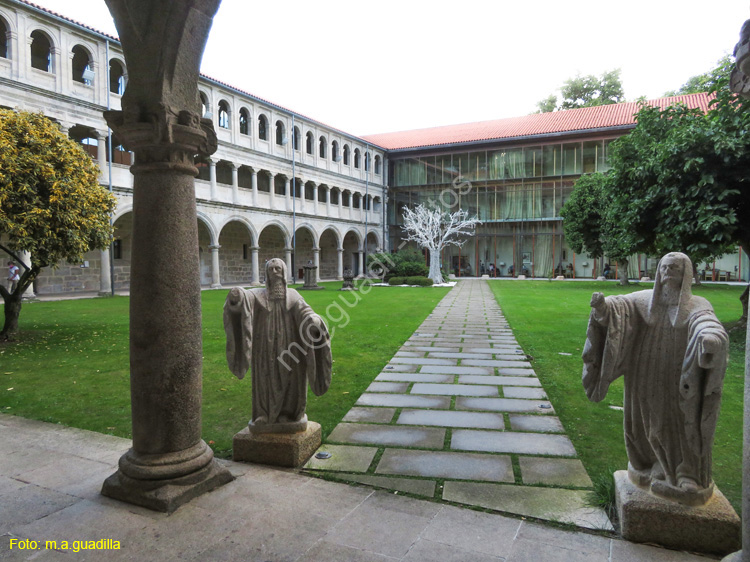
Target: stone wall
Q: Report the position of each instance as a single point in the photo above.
(71, 277)
(233, 267)
(329, 258)
(271, 246)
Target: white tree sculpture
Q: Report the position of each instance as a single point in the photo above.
(435, 229)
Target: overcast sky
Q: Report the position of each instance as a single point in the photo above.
(372, 67)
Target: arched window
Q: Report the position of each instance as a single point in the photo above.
(262, 127)
(116, 77)
(309, 143)
(81, 66)
(223, 114)
(346, 155)
(356, 157)
(280, 133)
(204, 104)
(335, 151)
(41, 51)
(3, 39)
(295, 138)
(377, 164)
(367, 161)
(323, 147)
(244, 122)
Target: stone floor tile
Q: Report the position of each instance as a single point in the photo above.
(395, 387)
(30, 503)
(409, 354)
(512, 442)
(623, 551)
(440, 464)
(554, 472)
(401, 368)
(529, 551)
(408, 377)
(404, 401)
(420, 486)
(439, 370)
(435, 349)
(344, 458)
(495, 363)
(504, 381)
(475, 531)
(422, 361)
(503, 405)
(429, 551)
(371, 434)
(442, 418)
(494, 350)
(559, 538)
(552, 504)
(373, 415)
(453, 389)
(324, 551)
(462, 356)
(543, 424)
(521, 392)
(516, 372)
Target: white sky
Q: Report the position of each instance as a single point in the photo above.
(372, 67)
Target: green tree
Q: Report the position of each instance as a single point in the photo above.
(705, 82)
(586, 91)
(589, 225)
(51, 203)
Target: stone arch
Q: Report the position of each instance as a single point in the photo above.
(263, 126)
(280, 132)
(224, 116)
(224, 172)
(82, 62)
(279, 184)
(329, 243)
(305, 241)
(206, 238)
(272, 242)
(235, 255)
(352, 244)
(42, 50)
(118, 75)
(335, 195)
(213, 235)
(122, 247)
(205, 102)
(245, 222)
(87, 137)
(244, 121)
(7, 28)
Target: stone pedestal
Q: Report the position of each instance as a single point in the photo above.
(348, 284)
(644, 517)
(290, 450)
(311, 283)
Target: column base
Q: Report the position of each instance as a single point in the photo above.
(734, 557)
(290, 450)
(168, 494)
(645, 517)
(216, 286)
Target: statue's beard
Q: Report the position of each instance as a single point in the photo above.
(670, 294)
(277, 288)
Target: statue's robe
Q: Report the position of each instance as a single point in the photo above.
(671, 403)
(278, 341)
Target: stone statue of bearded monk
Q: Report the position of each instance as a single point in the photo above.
(274, 332)
(672, 351)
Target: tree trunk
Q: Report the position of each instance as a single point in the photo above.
(622, 270)
(435, 274)
(696, 274)
(743, 300)
(12, 312)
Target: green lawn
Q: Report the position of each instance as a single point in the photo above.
(70, 363)
(550, 318)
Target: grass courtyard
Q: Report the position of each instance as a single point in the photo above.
(70, 364)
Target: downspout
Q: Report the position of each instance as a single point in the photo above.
(109, 169)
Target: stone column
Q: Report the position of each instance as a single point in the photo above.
(288, 258)
(105, 275)
(235, 184)
(254, 184)
(255, 275)
(271, 191)
(341, 205)
(340, 265)
(316, 263)
(169, 463)
(360, 264)
(215, 267)
(101, 153)
(212, 177)
(289, 194)
(287, 187)
(302, 202)
(315, 199)
(26, 259)
(328, 201)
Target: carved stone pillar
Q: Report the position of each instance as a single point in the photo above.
(235, 184)
(26, 259)
(340, 266)
(287, 188)
(212, 178)
(101, 153)
(360, 264)
(316, 263)
(271, 191)
(290, 187)
(288, 258)
(315, 199)
(254, 185)
(328, 201)
(215, 267)
(105, 275)
(255, 275)
(163, 41)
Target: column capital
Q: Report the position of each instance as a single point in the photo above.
(254, 248)
(214, 247)
(316, 250)
(340, 250)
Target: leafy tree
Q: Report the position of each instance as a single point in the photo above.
(586, 91)
(705, 82)
(404, 263)
(51, 203)
(589, 226)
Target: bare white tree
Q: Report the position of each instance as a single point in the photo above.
(435, 229)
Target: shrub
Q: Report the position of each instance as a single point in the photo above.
(396, 281)
(414, 269)
(419, 280)
(404, 263)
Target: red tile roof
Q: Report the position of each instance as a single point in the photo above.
(568, 121)
(66, 18)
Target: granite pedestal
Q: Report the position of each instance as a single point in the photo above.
(290, 450)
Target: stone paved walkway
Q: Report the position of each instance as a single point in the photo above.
(458, 414)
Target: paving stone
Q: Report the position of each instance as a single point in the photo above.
(476, 420)
(409, 354)
(554, 472)
(401, 368)
(427, 550)
(431, 349)
(522, 392)
(455, 370)
(404, 401)
(409, 485)
(503, 405)
(493, 350)
(552, 504)
(545, 424)
(425, 437)
(422, 361)
(344, 458)
(495, 363)
(407, 377)
(387, 387)
(516, 372)
(374, 415)
(512, 442)
(440, 464)
(460, 355)
(574, 546)
(453, 389)
(504, 381)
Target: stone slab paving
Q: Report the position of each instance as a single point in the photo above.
(464, 412)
